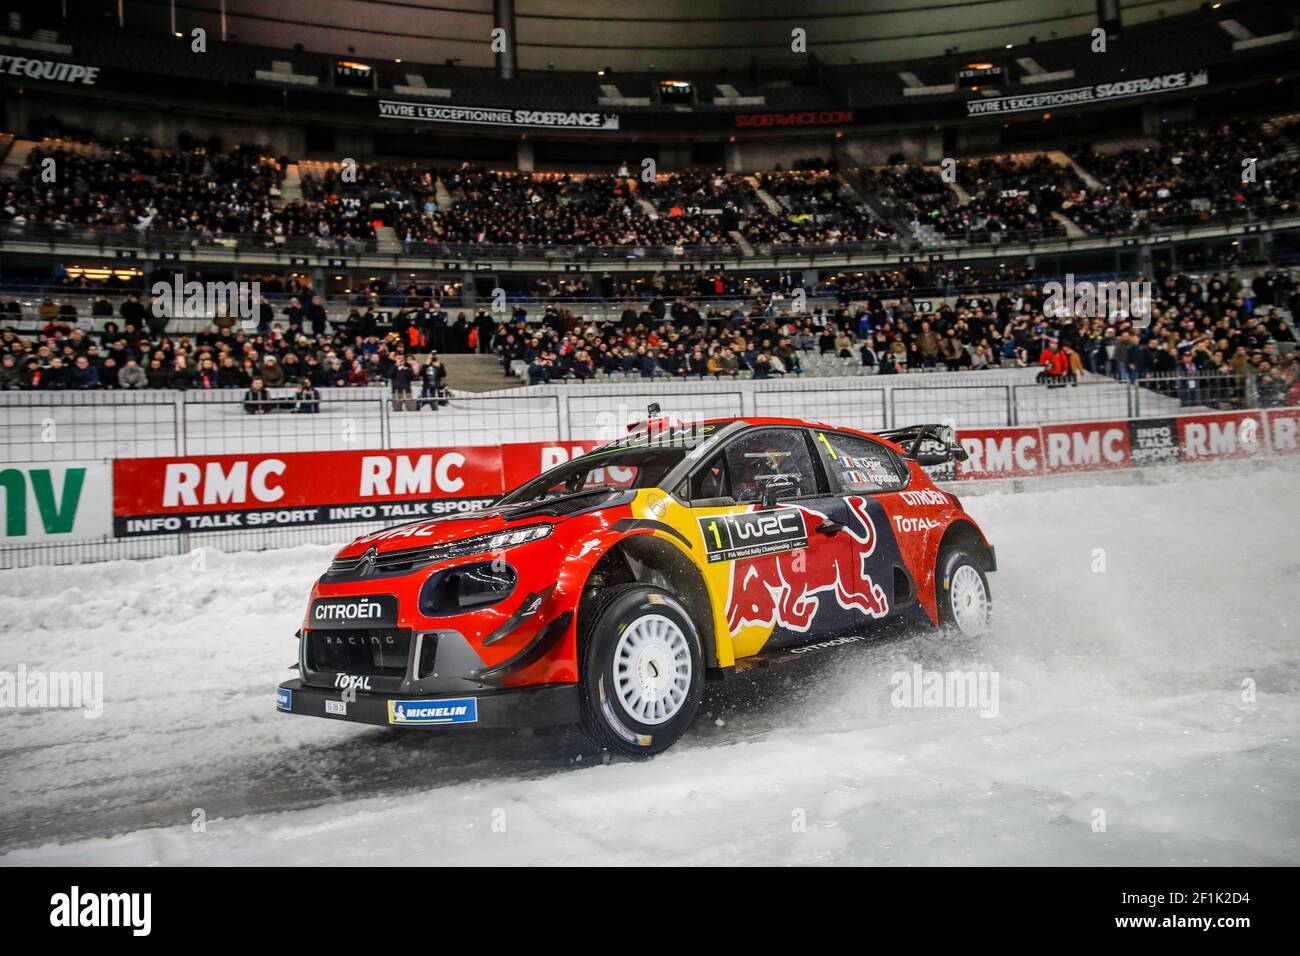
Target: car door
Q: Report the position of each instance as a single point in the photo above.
(868, 478)
(776, 569)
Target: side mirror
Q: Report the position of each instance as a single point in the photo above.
(778, 486)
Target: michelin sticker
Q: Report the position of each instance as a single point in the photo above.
(461, 710)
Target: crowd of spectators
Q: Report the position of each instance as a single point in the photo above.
(1017, 197)
(1205, 340)
(999, 197)
(498, 207)
(213, 194)
(1212, 336)
(1196, 173)
(210, 194)
(199, 189)
(295, 346)
(817, 208)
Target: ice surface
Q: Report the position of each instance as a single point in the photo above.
(1120, 691)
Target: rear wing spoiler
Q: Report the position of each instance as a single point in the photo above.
(927, 444)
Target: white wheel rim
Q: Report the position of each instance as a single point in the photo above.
(652, 669)
(969, 600)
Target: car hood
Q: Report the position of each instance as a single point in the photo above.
(456, 527)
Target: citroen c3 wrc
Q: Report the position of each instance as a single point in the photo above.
(604, 591)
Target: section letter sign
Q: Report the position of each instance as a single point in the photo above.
(53, 501)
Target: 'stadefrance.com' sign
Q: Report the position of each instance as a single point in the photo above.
(489, 116)
(1082, 95)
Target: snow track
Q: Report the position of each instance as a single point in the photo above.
(1121, 691)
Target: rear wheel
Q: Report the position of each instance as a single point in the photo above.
(963, 591)
(642, 670)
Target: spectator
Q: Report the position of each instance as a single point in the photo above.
(84, 375)
(157, 318)
(307, 398)
(10, 375)
(403, 376)
(1055, 365)
(432, 382)
(317, 317)
(271, 372)
(257, 399)
(132, 375)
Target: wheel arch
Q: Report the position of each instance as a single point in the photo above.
(963, 532)
(647, 558)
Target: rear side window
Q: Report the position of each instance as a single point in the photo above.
(863, 466)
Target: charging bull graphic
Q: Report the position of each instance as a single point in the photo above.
(782, 586)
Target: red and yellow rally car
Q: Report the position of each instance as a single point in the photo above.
(605, 590)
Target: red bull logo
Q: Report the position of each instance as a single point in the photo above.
(786, 588)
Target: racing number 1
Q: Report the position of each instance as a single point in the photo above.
(821, 437)
(717, 538)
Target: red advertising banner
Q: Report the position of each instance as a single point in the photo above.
(1085, 446)
(224, 492)
(1221, 435)
(1001, 452)
(1284, 431)
(231, 492)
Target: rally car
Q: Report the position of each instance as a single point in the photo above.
(605, 590)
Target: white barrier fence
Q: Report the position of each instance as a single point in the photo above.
(66, 426)
(70, 511)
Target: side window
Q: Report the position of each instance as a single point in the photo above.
(756, 458)
(710, 480)
(863, 466)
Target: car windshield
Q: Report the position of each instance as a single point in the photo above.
(607, 469)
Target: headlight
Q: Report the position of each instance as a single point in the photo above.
(509, 539)
(408, 560)
(484, 543)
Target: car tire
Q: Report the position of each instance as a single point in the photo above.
(642, 670)
(962, 590)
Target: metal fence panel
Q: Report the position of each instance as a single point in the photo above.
(607, 416)
(66, 426)
(216, 423)
(865, 408)
(965, 405)
(475, 420)
(1088, 400)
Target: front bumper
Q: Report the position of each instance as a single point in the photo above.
(539, 706)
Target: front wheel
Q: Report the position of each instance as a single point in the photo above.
(642, 670)
(963, 592)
